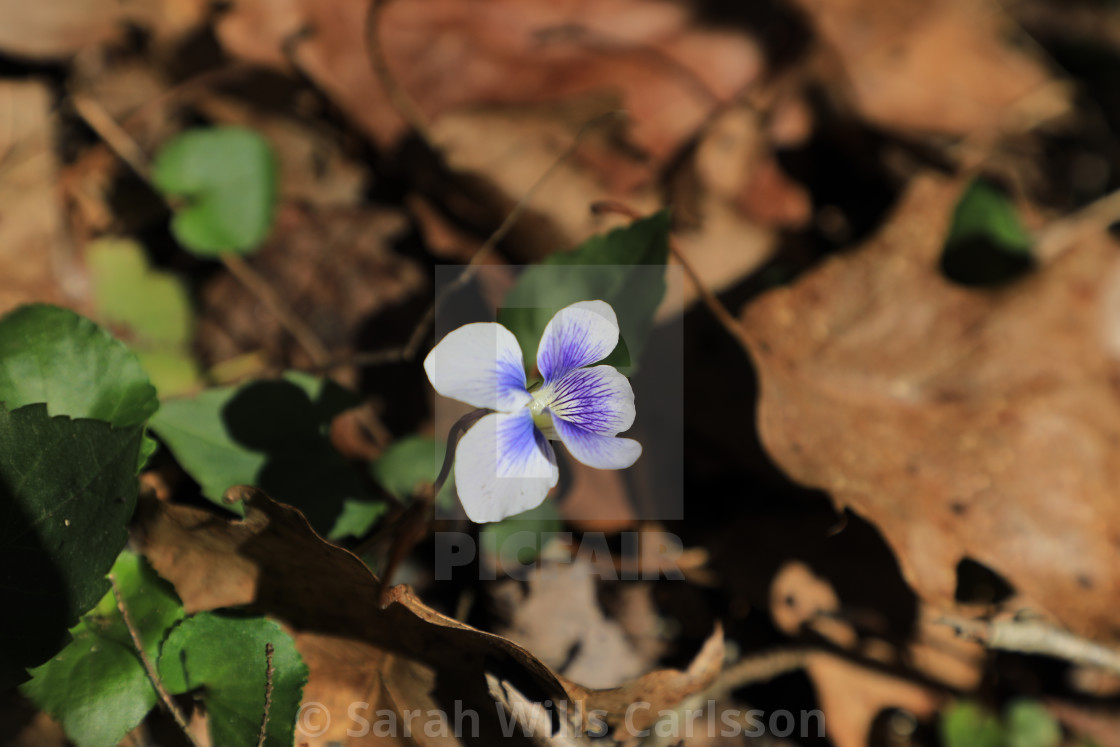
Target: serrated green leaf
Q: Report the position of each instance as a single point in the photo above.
(54, 356)
(1030, 724)
(987, 243)
(223, 659)
(271, 434)
(67, 487)
(97, 687)
(227, 175)
(967, 724)
(624, 267)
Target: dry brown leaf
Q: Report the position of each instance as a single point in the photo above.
(661, 690)
(61, 28)
(453, 53)
(961, 422)
(506, 86)
(35, 264)
(941, 66)
(400, 657)
(851, 696)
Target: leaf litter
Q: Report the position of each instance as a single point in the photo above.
(955, 428)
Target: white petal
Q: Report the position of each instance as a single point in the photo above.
(598, 399)
(577, 336)
(594, 450)
(479, 364)
(503, 466)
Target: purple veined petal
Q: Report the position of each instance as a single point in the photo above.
(479, 364)
(577, 336)
(595, 450)
(597, 399)
(503, 466)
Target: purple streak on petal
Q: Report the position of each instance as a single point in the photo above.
(479, 364)
(520, 447)
(576, 336)
(597, 399)
(595, 450)
(503, 466)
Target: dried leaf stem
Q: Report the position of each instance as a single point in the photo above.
(715, 306)
(149, 666)
(269, 671)
(1035, 637)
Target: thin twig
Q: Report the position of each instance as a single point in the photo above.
(400, 99)
(420, 331)
(114, 136)
(1035, 637)
(715, 306)
(149, 667)
(522, 206)
(267, 295)
(751, 670)
(1063, 233)
(268, 673)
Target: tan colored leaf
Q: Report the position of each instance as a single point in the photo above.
(942, 66)
(961, 422)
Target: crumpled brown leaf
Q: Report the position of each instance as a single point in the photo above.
(405, 656)
(961, 422)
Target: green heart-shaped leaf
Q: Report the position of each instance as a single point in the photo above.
(227, 176)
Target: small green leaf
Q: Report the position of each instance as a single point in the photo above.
(224, 659)
(227, 175)
(54, 356)
(987, 243)
(97, 687)
(153, 305)
(357, 518)
(967, 724)
(67, 487)
(411, 461)
(1029, 724)
(625, 268)
(271, 434)
(518, 538)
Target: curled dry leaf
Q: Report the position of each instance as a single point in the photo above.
(405, 656)
(963, 423)
(661, 690)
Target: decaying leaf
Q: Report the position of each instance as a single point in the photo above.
(405, 656)
(31, 228)
(942, 67)
(963, 423)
